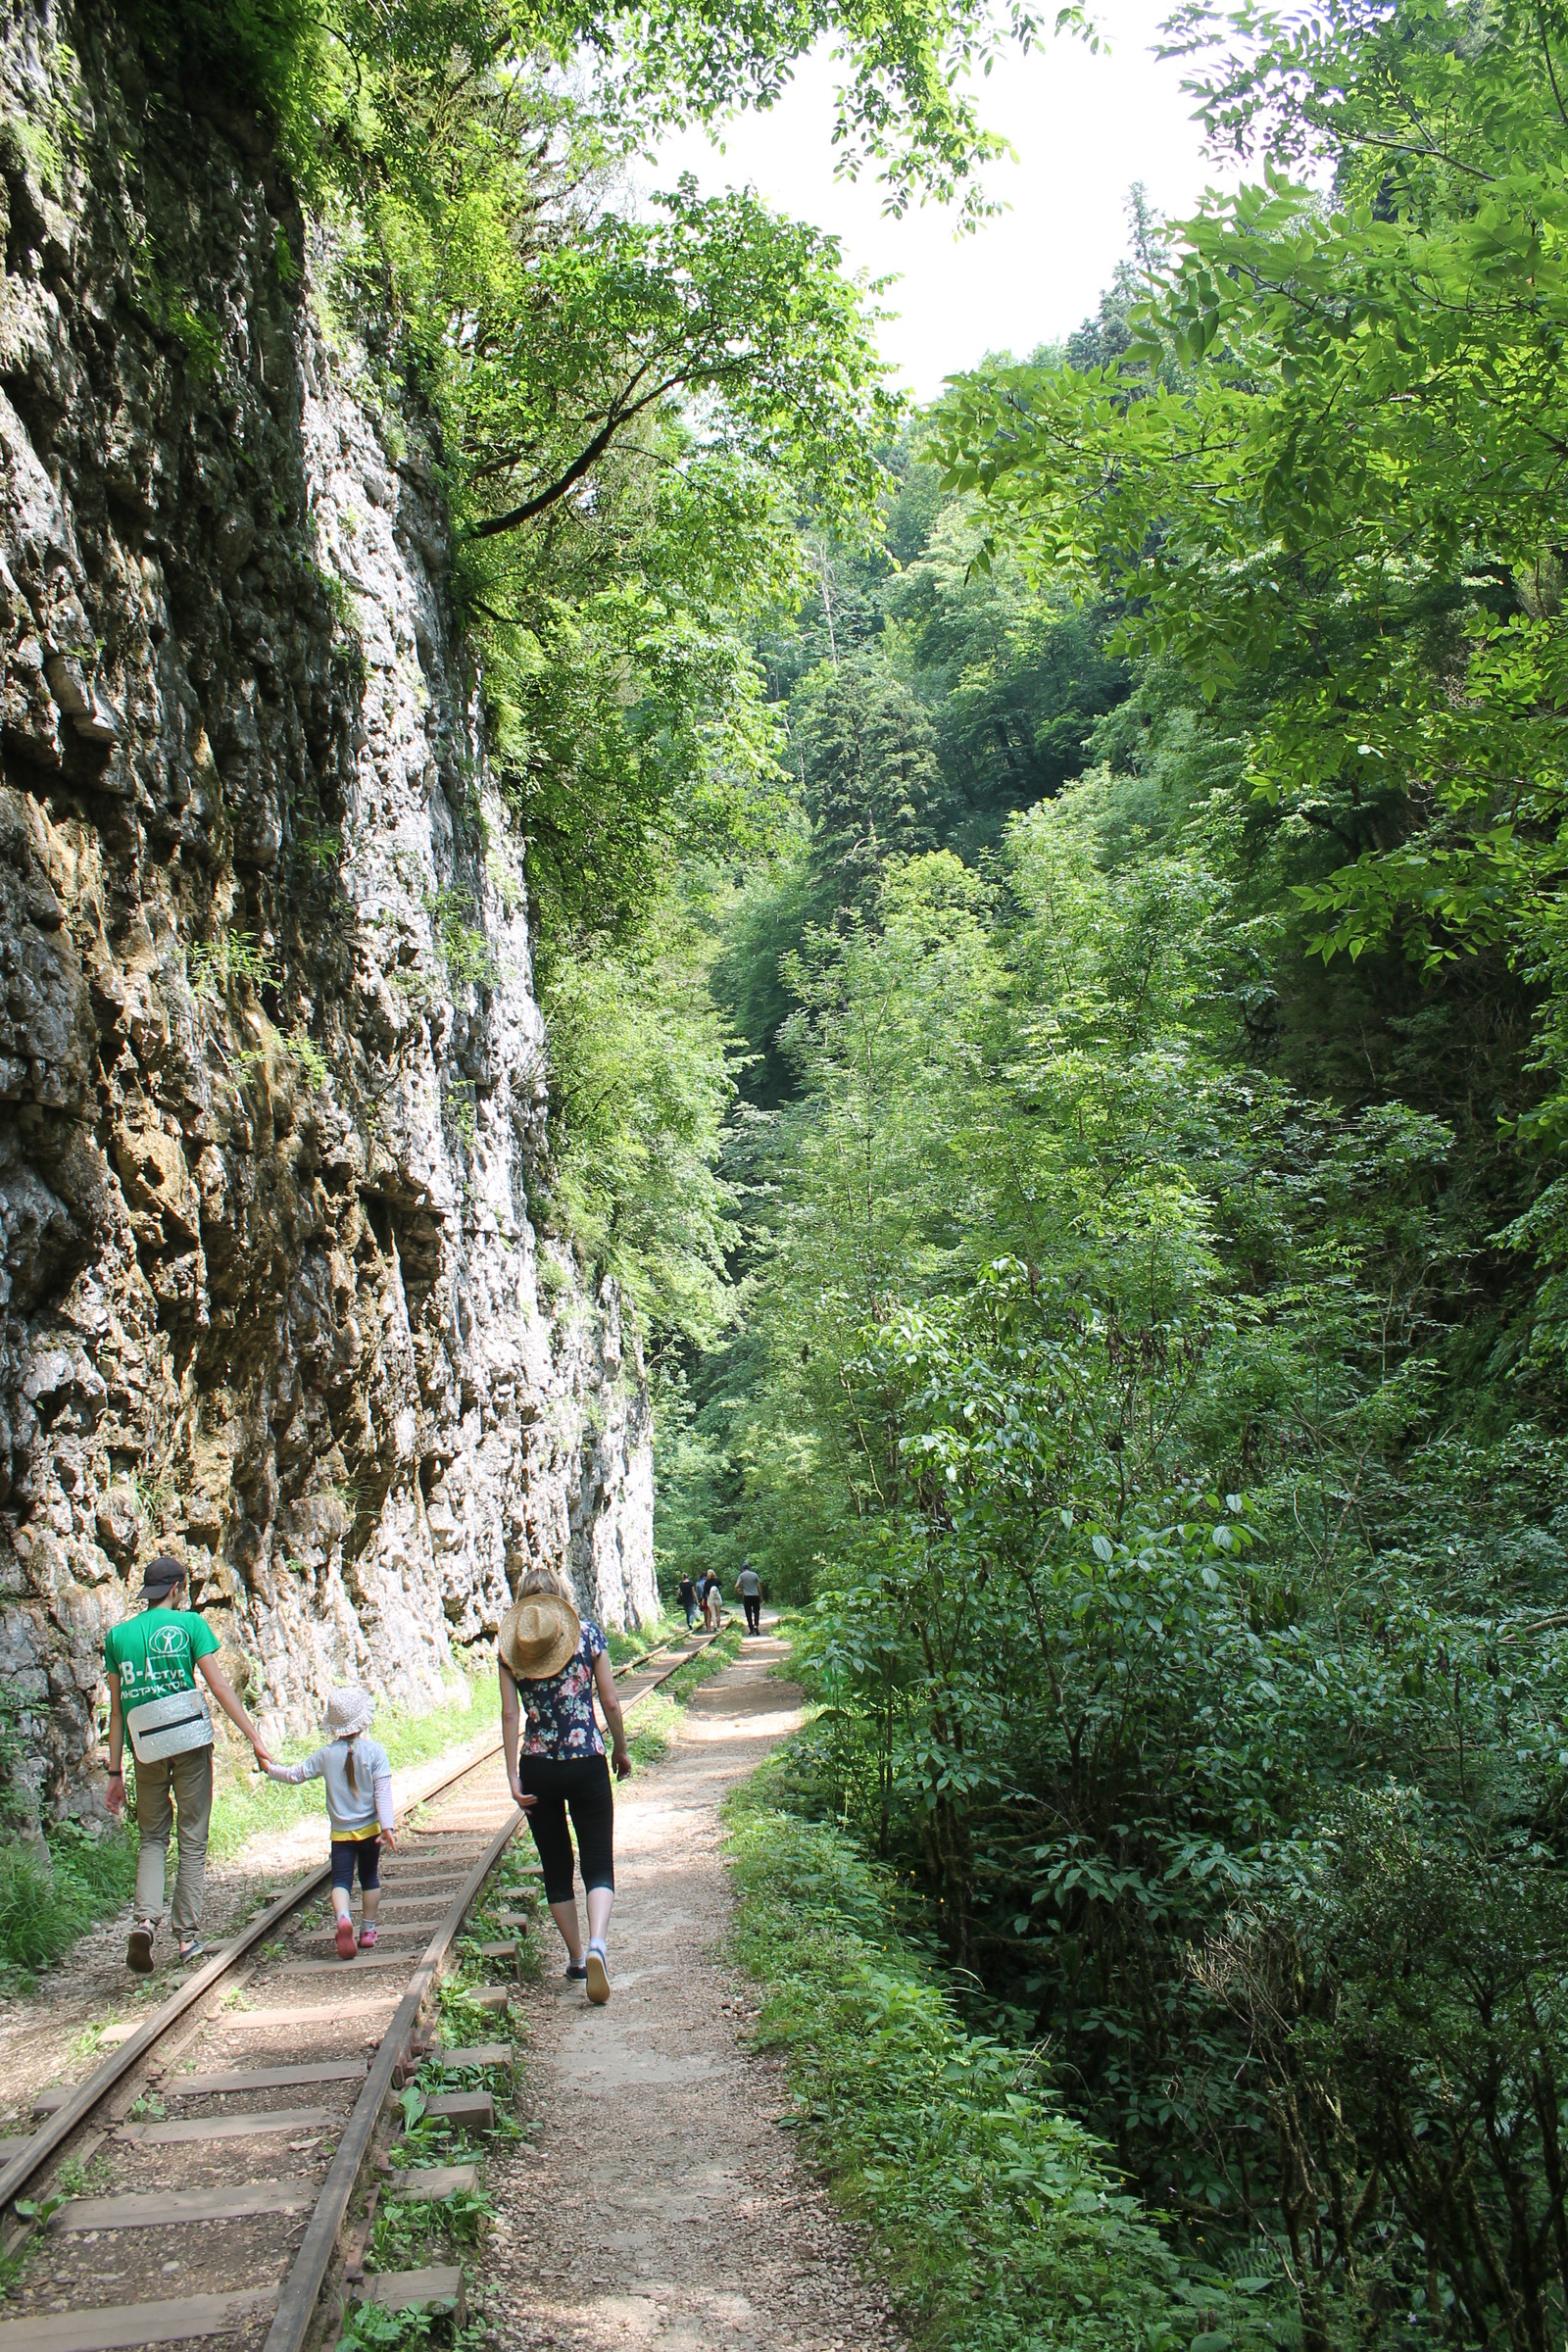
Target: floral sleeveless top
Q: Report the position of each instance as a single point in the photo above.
(559, 1715)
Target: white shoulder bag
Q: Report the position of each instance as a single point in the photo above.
(168, 1727)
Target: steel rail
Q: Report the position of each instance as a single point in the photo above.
(50, 2136)
(670, 1673)
(302, 2289)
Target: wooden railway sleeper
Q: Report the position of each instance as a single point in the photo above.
(146, 2058)
(147, 2055)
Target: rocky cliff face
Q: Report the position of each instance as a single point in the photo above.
(271, 1082)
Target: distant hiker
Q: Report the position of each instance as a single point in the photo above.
(713, 1602)
(552, 1661)
(686, 1594)
(749, 1585)
(152, 1661)
(359, 1808)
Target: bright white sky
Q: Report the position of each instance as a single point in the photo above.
(1085, 127)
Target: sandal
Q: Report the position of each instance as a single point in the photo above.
(193, 1950)
(140, 1950)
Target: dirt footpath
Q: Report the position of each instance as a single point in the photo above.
(660, 2202)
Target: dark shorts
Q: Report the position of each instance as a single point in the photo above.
(579, 1785)
(346, 1851)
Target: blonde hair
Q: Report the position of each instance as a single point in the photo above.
(544, 1579)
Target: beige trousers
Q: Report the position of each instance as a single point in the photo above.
(182, 1783)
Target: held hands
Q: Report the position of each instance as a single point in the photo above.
(262, 1759)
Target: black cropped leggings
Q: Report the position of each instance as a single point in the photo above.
(582, 1784)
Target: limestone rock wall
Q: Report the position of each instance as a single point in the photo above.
(272, 1079)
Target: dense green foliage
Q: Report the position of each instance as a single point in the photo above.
(988, 2206)
(1148, 1216)
(49, 1898)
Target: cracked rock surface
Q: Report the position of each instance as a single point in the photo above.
(273, 1086)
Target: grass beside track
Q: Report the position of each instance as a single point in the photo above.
(993, 2215)
(48, 1899)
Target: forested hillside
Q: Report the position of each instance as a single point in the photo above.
(1047, 917)
(1129, 1303)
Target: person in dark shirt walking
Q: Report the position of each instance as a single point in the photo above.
(686, 1594)
(748, 1589)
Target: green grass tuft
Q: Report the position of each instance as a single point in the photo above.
(47, 1901)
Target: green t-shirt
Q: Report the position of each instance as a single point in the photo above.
(155, 1654)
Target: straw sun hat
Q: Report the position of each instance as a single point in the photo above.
(349, 1712)
(539, 1636)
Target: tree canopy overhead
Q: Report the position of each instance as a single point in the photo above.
(1330, 465)
(337, 79)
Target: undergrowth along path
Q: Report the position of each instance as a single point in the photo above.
(660, 2202)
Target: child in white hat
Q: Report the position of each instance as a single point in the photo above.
(358, 1803)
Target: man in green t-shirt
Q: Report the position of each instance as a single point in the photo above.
(157, 1655)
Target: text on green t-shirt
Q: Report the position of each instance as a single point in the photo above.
(155, 1654)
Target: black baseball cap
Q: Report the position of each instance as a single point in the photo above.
(162, 1574)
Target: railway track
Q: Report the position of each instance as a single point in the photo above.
(220, 2174)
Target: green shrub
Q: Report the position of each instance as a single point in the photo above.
(992, 2212)
(47, 1901)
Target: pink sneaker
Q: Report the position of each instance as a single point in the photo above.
(367, 1940)
(345, 1938)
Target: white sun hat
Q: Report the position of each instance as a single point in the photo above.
(349, 1712)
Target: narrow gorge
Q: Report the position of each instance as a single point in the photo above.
(276, 1294)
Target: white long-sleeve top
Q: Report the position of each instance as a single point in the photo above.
(355, 1808)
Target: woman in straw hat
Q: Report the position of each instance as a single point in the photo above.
(552, 1661)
